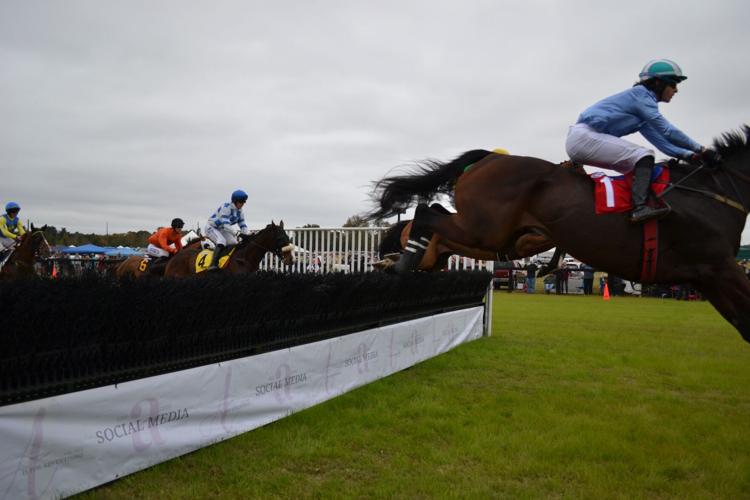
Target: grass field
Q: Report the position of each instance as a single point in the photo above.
(572, 396)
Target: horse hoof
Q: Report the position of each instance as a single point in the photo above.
(383, 265)
(401, 267)
(393, 257)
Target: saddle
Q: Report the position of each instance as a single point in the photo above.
(205, 257)
(613, 193)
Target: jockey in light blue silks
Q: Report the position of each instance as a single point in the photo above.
(595, 138)
(11, 228)
(219, 226)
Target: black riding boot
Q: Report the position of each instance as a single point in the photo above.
(158, 265)
(215, 258)
(641, 187)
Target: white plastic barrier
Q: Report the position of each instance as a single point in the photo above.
(62, 445)
(345, 249)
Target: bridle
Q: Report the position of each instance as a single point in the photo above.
(281, 242)
(731, 173)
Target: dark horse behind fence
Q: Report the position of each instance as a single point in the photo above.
(517, 206)
(21, 262)
(245, 256)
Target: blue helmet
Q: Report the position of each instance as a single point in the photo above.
(12, 205)
(663, 69)
(239, 195)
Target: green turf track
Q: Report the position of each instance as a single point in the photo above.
(571, 397)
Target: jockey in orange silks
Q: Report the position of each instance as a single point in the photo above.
(167, 241)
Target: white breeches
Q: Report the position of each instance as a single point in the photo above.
(589, 147)
(155, 251)
(6, 243)
(220, 236)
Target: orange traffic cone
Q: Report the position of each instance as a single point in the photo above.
(606, 292)
(54, 271)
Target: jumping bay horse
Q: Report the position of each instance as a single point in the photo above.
(21, 262)
(245, 258)
(517, 206)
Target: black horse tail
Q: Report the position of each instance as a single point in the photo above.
(391, 242)
(393, 195)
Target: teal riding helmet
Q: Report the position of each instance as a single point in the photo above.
(663, 69)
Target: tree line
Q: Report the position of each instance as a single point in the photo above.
(62, 236)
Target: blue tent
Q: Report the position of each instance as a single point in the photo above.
(89, 248)
(122, 252)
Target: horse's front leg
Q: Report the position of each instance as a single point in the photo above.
(729, 293)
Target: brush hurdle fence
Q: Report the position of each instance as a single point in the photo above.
(101, 379)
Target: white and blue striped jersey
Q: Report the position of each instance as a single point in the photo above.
(228, 215)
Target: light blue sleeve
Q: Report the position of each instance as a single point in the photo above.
(663, 144)
(648, 110)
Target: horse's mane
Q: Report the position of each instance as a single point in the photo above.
(195, 242)
(252, 237)
(733, 143)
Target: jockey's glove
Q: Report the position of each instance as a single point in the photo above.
(694, 159)
(709, 156)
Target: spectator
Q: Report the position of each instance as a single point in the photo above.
(549, 283)
(561, 280)
(588, 279)
(531, 277)
(616, 286)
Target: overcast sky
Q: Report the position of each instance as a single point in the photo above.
(130, 113)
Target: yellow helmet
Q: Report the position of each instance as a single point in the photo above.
(501, 151)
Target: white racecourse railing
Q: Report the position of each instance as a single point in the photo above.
(345, 249)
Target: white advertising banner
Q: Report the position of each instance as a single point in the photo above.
(66, 444)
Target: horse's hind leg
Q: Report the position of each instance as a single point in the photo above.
(419, 239)
(729, 293)
(450, 226)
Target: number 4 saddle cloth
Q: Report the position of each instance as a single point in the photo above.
(613, 194)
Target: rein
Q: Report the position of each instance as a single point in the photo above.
(738, 205)
(262, 247)
(277, 252)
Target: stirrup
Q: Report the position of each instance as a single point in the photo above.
(214, 262)
(644, 213)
